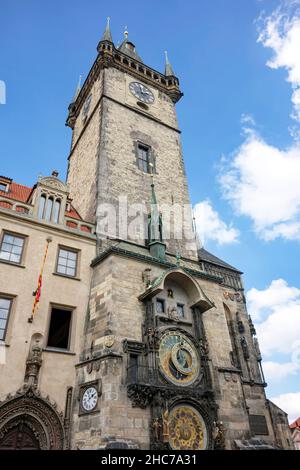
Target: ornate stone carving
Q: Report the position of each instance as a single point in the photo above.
(173, 313)
(233, 296)
(251, 326)
(54, 183)
(140, 395)
(33, 365)
(37, 413)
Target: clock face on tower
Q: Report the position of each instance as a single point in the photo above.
(89, 399)
(141, 92)
(178, 358)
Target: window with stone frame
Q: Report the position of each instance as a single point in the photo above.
(11, 249)
(5, 307)
(67, 262)
(180, 310)
(144, 158)
(59, 328)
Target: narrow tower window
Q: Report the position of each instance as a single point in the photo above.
(143, 158)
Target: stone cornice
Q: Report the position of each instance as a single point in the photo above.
(149, 259)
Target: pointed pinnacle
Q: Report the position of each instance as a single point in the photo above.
(107, 34)
(168, 67)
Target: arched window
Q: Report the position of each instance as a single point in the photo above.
(56, 211)
(42, 206)
(49, 209)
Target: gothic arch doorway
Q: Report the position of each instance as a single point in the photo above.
(19, 437)
(28, 421)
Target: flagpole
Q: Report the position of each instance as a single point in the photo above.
(37, 292)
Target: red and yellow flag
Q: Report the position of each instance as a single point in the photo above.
(38, 292)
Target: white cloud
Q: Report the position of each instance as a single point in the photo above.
(276, 371)
(290, 403)
(281, 32)
(211, 227)
(263, 183)
(278, 294)
(277, 313)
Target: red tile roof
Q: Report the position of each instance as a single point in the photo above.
(295, 424)
(18, 192)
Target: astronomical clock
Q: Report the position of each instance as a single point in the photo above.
(178, 358)
(173, 376)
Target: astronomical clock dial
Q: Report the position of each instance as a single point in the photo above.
(178, 359)
(89, 399)
(141, 92)
(187, 429)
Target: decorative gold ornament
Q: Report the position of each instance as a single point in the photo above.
(187, 430)
(109, 341)
(178, 358)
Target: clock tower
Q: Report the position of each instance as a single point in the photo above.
(169, 356)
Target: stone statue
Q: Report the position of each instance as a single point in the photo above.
(245, 348)
(156, 426)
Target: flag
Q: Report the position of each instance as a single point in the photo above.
(38, 292)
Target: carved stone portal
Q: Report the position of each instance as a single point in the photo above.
(27, 419)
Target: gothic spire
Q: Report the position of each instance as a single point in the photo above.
(168, 67)
(107, 33)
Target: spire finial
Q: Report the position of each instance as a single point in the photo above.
(107, 34)
(168, 67)
(78, 88)
(125, 32)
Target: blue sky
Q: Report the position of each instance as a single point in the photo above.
(235, 117)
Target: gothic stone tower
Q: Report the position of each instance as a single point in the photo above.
(169, 358)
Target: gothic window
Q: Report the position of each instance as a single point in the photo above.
(67, 262)
(12, 248)
(160, 306)
(5, 307)
(59, 329)
(180, 310)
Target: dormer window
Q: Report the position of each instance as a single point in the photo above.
(50, 199)
(4, 184)
(130, 46)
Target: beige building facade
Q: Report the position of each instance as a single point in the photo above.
(140, 339)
